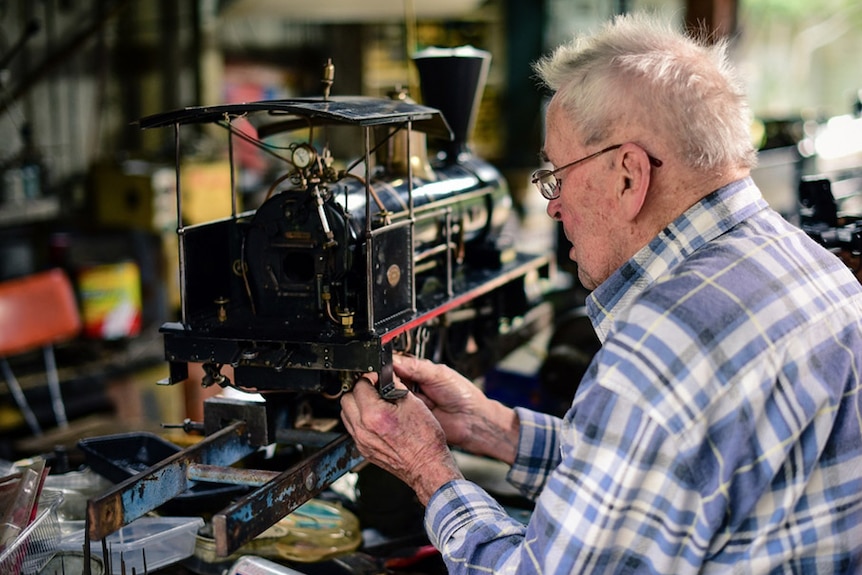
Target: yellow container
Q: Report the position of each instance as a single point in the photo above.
(110, 300)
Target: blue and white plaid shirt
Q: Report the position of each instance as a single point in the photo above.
(718, 430)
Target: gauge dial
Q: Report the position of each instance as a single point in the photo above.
(303, 156)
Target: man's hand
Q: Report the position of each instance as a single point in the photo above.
(470, 420)
(401, 437)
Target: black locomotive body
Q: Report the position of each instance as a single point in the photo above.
(339, 266)
(332, 272)
(343, 263)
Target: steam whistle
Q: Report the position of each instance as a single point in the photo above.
(328, 77)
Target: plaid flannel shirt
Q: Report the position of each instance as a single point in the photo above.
(718, 430)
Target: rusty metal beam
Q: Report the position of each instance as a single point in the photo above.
(254, 513)
(157, 485)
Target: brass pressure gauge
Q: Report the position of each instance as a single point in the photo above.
(303, 156)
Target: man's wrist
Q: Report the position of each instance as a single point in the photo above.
(435, 477)
(495, 432)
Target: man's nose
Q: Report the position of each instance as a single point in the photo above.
(553, 209)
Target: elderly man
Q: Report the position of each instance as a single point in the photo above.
(719, 428)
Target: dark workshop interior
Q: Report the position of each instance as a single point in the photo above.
(134, 180)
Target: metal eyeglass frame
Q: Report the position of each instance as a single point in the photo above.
(549, 184)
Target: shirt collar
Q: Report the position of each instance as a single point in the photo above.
(716, 213)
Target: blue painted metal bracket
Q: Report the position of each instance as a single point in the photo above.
(254, 513)
(209, 460)
(157, 485)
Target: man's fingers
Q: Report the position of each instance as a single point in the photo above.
(417, 372)
(364, 385)
(369, 378)
(348, 422)
(406, 366)
(349, 410)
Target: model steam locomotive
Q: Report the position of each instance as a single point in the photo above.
(340, 265)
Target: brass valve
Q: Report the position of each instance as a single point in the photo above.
(345, 318)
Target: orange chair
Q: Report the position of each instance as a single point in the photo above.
(36, 311)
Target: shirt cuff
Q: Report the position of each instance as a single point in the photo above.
(538, 451)
(457, 504)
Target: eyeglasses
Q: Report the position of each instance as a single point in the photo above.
(548, 184)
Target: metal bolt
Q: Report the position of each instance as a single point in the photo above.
(310, 480)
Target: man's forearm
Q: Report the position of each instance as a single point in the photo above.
(494, 433)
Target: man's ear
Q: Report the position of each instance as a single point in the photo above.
(634, 182)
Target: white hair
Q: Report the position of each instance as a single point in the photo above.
(679, 87)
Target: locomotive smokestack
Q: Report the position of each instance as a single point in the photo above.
(452, 80)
